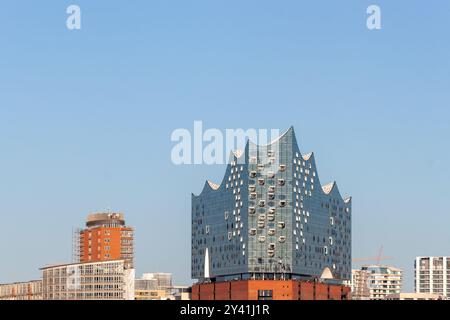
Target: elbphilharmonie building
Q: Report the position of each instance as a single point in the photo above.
(271, 218)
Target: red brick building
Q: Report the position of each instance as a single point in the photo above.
(270, 290)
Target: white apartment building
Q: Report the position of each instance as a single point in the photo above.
(432, 275)
(376, 282)
(31, 290)
(103, 280)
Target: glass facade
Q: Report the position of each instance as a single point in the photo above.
(271, 218)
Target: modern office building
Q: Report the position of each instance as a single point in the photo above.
(105, 238)
(102, 280)
(432, 275)
(31, 290)
(271, 219)
(376, 282)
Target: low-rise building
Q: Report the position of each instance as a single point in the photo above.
(181, 292)
(31, 290)
(414, 296)
(376, 282)
(102, 280)
(270, 290)
(158, 286)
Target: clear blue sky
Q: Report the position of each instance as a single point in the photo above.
(86, 116)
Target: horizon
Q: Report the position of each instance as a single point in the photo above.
(86, 118)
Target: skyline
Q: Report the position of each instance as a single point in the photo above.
(86, 117)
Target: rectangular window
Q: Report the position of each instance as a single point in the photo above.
(265, 294)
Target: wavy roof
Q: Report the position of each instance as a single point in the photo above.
(327, 189)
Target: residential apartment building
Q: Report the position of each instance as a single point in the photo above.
(271, 219)
(102, 280)
(31, 290)
(432, 275)
(360, 285)
(106, 237)
(376, 282)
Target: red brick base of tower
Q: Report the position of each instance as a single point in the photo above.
(269, 289)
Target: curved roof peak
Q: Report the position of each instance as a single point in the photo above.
(213, 185)
(307, 156)
(328, 187)
(291, 129)
(238, 153)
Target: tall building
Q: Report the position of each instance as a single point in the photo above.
(271, 218)
(31, 290)
(432, 275)
(105, 238)
(102, 280)
(376, 282)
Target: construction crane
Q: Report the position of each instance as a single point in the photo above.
(377, 259)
